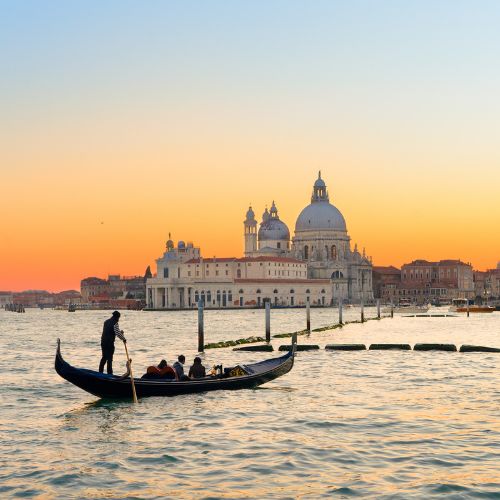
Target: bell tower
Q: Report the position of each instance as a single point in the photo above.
(250, 231)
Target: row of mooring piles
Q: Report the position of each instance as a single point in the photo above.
(267, 328)
(18, 308)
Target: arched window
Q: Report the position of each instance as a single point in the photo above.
(196, 296)
(209, 297)
(337, 275)
(323, 291)
(308, 291)
(240, 291)
(238, 273)
(258, 290)
(306, 252)
(292, 291)
(334, 252)
(278, 245)
(275, 291)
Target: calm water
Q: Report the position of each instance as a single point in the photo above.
(344, 425)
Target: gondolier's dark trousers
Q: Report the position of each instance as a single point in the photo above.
(107, 357)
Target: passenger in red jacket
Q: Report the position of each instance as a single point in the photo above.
(161, 371)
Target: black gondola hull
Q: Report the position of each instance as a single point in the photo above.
(110, 386)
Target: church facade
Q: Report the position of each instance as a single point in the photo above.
(316, 264)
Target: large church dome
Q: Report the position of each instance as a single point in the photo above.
(320, 214)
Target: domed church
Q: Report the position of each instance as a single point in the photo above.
(317, 265)
(321, 240)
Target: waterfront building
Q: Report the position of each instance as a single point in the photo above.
(33, 298)
(6, 298)
(487, 284)
(98, 290)
(92, 287)
(386, 283)
(423, 281)
(66, 297)
(316, 264)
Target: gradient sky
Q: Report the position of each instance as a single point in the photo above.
(123, 121)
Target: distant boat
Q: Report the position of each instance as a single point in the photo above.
(476, 309)
(460, 305)
(72, 308)
(405, 306)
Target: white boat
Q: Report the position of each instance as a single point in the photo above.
(405, 306)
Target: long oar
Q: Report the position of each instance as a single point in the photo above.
(129, 361)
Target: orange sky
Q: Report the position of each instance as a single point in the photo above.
(116, 220)
(128, 123)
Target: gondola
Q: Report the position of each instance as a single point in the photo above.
(112, 386)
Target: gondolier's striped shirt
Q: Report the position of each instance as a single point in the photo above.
(118, 332)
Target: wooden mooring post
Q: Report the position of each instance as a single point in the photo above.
(308, 314)
(340, 312)
(268, 321)
(201, 332)
(378, 308)
(362, 311)
(392, 310)
(468, 309)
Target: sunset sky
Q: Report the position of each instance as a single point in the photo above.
(123, 121)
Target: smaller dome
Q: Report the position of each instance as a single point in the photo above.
(181, 244)
(273, 229)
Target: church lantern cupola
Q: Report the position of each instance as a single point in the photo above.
(319, 190)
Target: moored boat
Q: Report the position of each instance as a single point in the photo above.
(112, 386)
(476, 309)
(463, 305)
(405, 306)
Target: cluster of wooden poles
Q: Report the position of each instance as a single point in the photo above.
(18, 308)
(267, 307)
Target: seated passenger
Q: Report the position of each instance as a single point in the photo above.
(161, 371)
(197, 370)
(179, 366)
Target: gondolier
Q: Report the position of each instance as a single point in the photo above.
(110, 331)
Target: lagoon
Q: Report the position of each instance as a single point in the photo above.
(380, 424)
